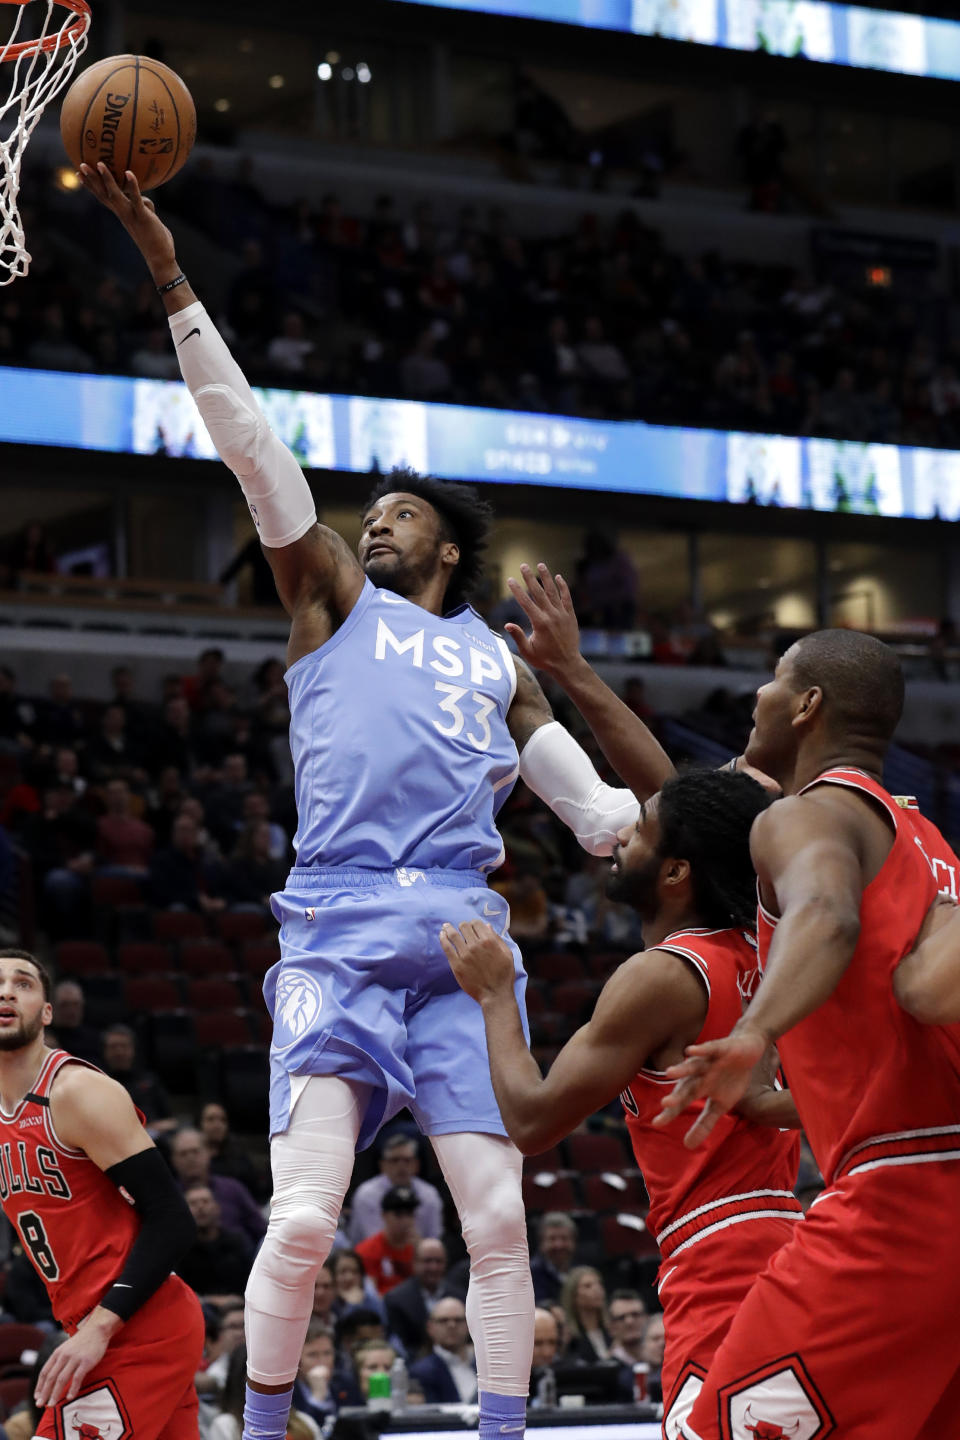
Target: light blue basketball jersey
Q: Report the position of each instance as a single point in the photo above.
(398, 727)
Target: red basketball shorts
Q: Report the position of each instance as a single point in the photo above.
(701, 1290)
(143, 1387)
(851, 1330)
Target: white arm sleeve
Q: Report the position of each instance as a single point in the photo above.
(273, 483)
(560, 771)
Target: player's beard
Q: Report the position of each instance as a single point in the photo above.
(636, 887)
(24, 1035)
(391, 572)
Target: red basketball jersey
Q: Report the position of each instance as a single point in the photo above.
(742, 1171)
(946, 873)
(74, 1223)
(872, 1085)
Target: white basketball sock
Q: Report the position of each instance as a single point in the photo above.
(483, 1173)
(312, 1164)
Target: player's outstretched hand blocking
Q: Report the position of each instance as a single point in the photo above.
(136, 214)
(554, 642)
(719, 1072)
(481, 961)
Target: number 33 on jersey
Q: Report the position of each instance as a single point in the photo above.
(413, 757)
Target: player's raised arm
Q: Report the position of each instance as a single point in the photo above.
(92, 1113)
(553, 646)
(807, 855)
(651, 997)
(927, 981)
(311, 564)
(561, 773)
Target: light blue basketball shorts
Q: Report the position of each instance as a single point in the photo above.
(363, 990)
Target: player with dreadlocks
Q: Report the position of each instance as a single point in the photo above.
(718, 1212)
(410, 722)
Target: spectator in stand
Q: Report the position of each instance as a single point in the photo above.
(176, 742)
(550, 1263)
(224, 801)
(143, 1087)
(111, 754)
(256, 810)
(325, 1296)
(652, 1353)
(361, 1324)
(227, 1422)
(605, 585)
(424, 375)
(411, 1303)
(124, 843)
(181, 878)
(25, 1297)
(18, 716)
(399, 1165)
(209, 672)
(66, 771)
(59, 717)
(585, 1303)
(218, 1262)
(566, 924)
(252, 875)
(371, 1357)
(190, 1156)
(69, 1031)
(387, 1256)
(627, 1322)
(288, 352)
(224, 1336)
(164, 803)
(227, 1155)
(529, 907)
(154, 357)
(324, 1382)
(546, 1339)
(61, 840)
(31, 552)
(448, 1374)
(140, 717)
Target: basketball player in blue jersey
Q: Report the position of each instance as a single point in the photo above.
(410, 721)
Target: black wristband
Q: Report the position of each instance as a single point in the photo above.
(172, 284)
(166, 1233)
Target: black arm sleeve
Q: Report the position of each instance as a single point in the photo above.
(167, 1232)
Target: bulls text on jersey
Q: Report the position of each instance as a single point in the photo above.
(16, 1175)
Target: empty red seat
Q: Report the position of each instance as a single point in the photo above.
(592, 1153)
(226, 1027)
(625, 1234)
(219, 993)
(237, 926)
(143, 957)
(13, 1390)
(152, 992)
(551, 1159)
(111, 890)
(601, 1195)
(262, 1026)
(558, 1194)
(14, 1339)
(207, 957)
(82, 957)
(178, 925)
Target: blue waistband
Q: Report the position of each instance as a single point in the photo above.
(344, 877)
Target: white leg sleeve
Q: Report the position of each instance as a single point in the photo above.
(272, 481)
(483, 1173)
(312, 1164)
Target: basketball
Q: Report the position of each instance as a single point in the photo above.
(132, 113)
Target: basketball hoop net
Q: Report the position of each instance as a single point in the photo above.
(41, 68)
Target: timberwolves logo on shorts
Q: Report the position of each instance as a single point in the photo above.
(296, 1005)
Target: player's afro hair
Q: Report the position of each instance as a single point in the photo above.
(465, 517)
(705, 818)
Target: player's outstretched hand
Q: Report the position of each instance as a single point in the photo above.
(70, 1364)
(719, 1072)
(135, 213)
(481, 961)
(553, 644)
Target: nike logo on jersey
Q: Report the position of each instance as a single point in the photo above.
(194, 331)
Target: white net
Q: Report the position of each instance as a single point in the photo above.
(41, 66)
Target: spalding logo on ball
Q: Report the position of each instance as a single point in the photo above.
(131, 113)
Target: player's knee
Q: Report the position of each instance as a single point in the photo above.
(299, 1235)
(497, 1223)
